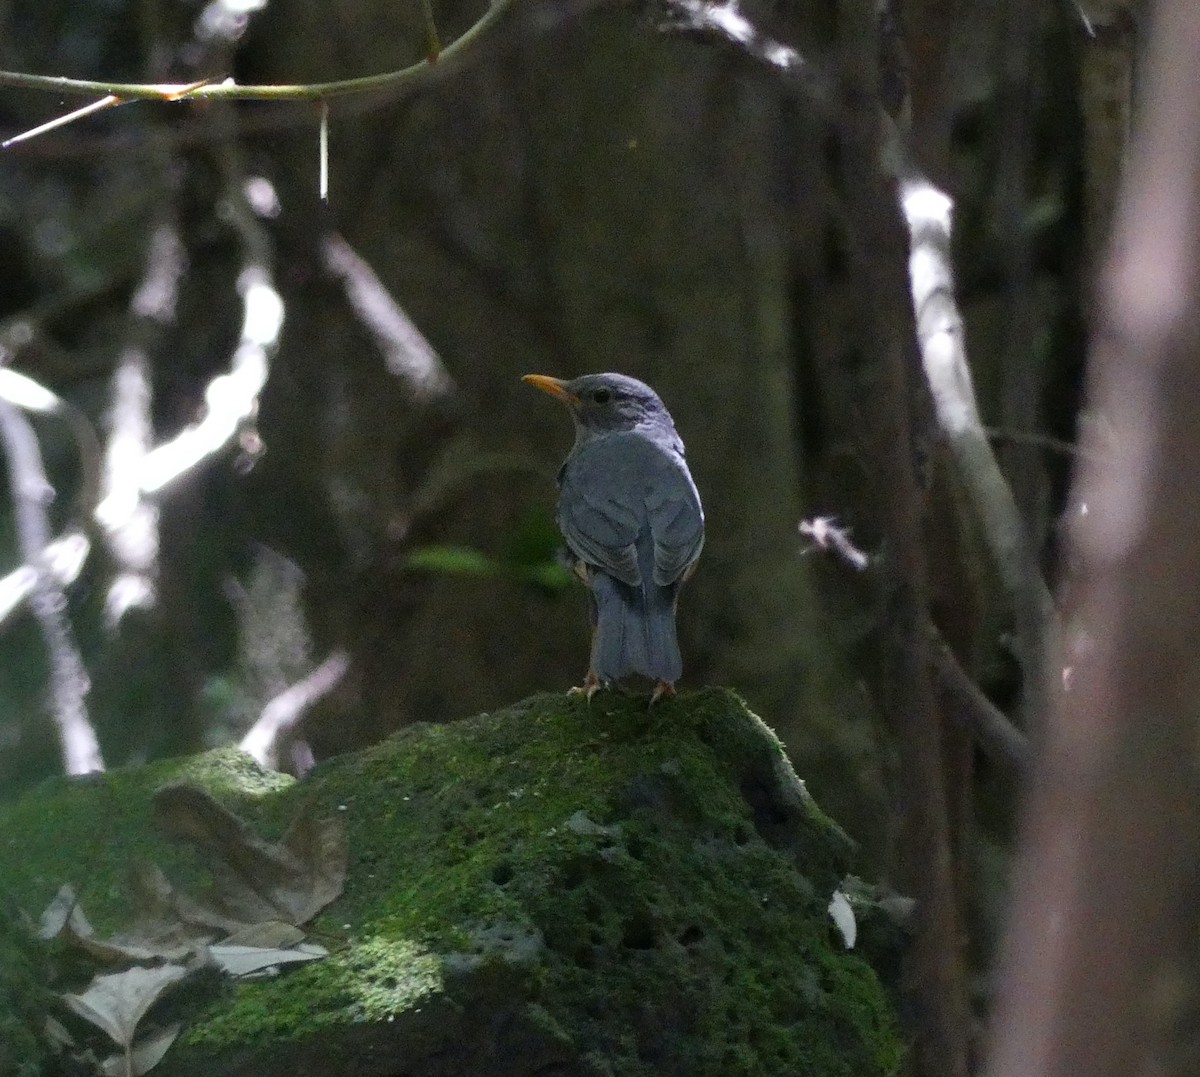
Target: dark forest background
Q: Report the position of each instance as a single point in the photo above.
(713, 198)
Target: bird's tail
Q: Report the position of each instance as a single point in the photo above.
(634, 630)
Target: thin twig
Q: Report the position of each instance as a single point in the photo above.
(323, 154)
(1039, 441)
(231, 91)
(111, 101)
(433, 43)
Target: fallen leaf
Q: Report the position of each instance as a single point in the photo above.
(63, 906)
(147, 1053)
(58, 1035)
(272, 933)
(247, 961)
(163, 940)
(256, 880)
(116, 1001)
(842, 914)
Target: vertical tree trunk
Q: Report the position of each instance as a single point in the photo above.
(1100, 926)
(935, 977)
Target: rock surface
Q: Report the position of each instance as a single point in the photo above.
(553, 889)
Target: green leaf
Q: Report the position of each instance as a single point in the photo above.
(452, 561)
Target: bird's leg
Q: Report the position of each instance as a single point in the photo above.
(662, 688)
(592, 682)
(591, 685)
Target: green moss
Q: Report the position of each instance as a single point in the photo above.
(88, 831)
(650, 885)
(23, 1002)
(372, 979)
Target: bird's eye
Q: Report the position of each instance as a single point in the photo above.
(601, 396)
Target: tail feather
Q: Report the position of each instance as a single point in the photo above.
(635, 630)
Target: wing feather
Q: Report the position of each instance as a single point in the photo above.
(613, 490)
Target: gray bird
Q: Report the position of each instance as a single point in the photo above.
(630, 513)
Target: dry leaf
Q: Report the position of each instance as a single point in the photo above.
(117, 1001)
(58, 1035)
(162, 940)
(842, 914)
(147, 1053)
(273, 933)
(246, 961)
(168, 912)
(63, 906)
(257, 880)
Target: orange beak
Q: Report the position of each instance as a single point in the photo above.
(554, 386)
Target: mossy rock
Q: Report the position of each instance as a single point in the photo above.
(558, 888)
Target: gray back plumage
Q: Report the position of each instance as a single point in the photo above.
(629, 509)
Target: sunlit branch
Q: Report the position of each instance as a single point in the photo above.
(130, 522)
(61, 121)
(285, 712)
(943, 356)
(406, 352)
(64, 557)
(32, 494)
(726, 21)
(231, 400)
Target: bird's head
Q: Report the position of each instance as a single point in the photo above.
(604, 403)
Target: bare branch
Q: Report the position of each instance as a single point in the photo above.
(944, 358)
(231, 400)
(228, 90)
(129, 521)
(284, 713)
(406, 352)
(32, 494)
(725, 21)
(64, 557)
(989, 726)
(827, 535)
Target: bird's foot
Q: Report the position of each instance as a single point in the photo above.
(591, 685)
(661, 689)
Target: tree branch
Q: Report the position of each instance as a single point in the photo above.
(989, 726)
(228, 90)
(32, 494)
(286, 710)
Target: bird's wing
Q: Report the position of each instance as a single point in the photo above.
(676, 519)
(612, 490)
(598, 511)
